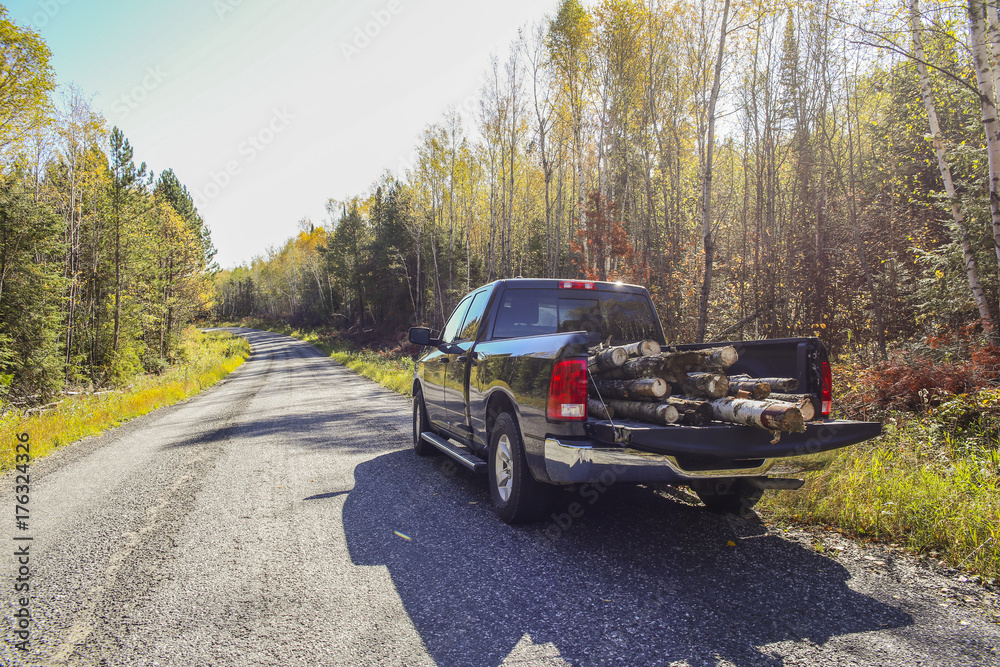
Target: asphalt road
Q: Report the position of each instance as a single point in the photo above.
(262, 523)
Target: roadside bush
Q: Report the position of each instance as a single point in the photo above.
(917, 378)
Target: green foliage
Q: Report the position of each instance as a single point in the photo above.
(931, 483)
(207, 358)
(30, 283)
(99, 273)
(26, 79)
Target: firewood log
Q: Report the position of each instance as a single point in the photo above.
(606, 360)
(640, 367)
(644, 348)
(773, 416)
(693, 412)
(709, 385)
(720, 357)
(599, 410)
(632, 390)
(806, 403)
(655, 413)
(778, 385)
(757, 390)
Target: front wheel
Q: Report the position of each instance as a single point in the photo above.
(420, 424)
(728, 496)
(517, 496)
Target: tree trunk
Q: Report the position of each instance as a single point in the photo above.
(927, 93)
(706, 212)
(979, 27)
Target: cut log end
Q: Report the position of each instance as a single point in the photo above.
(607, 360)
(773, 416)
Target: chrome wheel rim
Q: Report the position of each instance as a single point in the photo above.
(504, 465)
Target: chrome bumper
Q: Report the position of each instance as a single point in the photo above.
(579, 463)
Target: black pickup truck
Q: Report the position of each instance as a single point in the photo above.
(504, 391)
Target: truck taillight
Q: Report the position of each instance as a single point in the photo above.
(568, 391)
(826, 393)
(576, 284)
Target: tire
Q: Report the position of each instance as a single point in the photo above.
(517, 496)
(420, 424)
(728, 496)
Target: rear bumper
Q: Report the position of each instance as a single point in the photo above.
(678, 454)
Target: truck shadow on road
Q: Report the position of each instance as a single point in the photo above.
(634, 578)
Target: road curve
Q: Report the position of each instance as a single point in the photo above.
(280, 518)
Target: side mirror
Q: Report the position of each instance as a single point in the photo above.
(420, 335)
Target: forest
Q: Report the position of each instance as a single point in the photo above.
(102, 262)
(765, 169)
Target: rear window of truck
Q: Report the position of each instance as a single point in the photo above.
(622, 316)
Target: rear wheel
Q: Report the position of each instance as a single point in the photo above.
(517, 496)
(420, 425)
(728, 496)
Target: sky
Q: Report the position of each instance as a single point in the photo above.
(266, 110)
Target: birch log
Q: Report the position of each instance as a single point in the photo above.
(778, 385)
(641, 367)
(633, 390)
(693, 412)
(757, 389)
(721, 357)
(806, 403)
(607, 360)
(773, 416)
(599, 410)
(655, 413)
(644, 348)
(710, 385)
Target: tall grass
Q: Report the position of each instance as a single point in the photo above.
(931, 483)
(206, 359)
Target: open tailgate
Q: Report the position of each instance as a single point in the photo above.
(730, 441)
